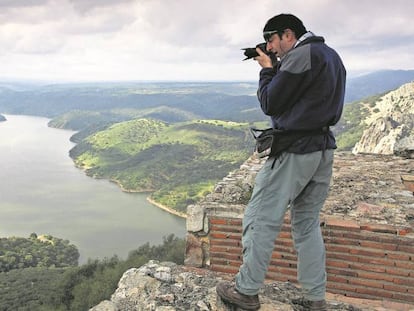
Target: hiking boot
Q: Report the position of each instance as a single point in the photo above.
(229, 294)
(310, 305)
(319, 305)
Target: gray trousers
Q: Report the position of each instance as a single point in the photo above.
(301, 182)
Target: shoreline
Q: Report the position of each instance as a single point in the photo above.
(167, 209)
(151, 201)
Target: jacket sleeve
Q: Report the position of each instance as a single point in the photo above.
(279, 91)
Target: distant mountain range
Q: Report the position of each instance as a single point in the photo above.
(234, 101)
(375, 83)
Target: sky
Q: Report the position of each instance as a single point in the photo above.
(188, 40)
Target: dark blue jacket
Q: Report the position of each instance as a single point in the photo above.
(306, 92)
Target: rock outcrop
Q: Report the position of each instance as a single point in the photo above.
(390, 124)
(166, 286)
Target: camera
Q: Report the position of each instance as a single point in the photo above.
(251, 53)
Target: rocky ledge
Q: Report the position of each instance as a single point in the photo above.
(166, 286)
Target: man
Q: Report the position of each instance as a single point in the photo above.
(303, 96)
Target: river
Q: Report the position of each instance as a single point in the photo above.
(42, 191)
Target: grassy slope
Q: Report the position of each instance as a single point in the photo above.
(350, 128)
(180, 161)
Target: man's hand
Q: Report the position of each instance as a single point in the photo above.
(263, 59)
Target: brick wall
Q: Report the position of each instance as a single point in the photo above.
(363, 261)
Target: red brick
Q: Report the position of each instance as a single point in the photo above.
(369, 253)
(364, 267)
(395, 288)
(234, 236)
(406, 249)
(337, 279)
(286, 220)
(288, 243)
(224, 269)
(218, 249)
(230, 243)
(285, 235)
(404, 231)
(341, 272)
(339, 256)
(379, 228)
(406, 241)
(277, 255)
(373, 292)
(408, 182)
(343, 287)
(354, 235)
(366, 283)
(290, 257)
(382, 238)
(229, 256)
(369, 244)
(377, 261)
(283, 255)
(286, 228)
(218, 235)
(336, 248)
(282, 249)
(333, 233)
(341, 241)
(335, 223)
(405, 265)
(218, 221)
(400, 272)
(235, 222)
(404, 281)
(225, 235)
(404, 297)
(225, 228)
(337, 263)
(398, 256)
(375, 276)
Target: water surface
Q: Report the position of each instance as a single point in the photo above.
(42, 191)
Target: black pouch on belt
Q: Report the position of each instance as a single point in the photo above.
(272, 142)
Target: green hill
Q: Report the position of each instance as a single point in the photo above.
(178, 162)
(78, 288)
(36, 251)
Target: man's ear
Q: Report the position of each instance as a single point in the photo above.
(290, 34)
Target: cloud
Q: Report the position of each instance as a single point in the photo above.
(21, 3)
(156, 39)
(84, 6)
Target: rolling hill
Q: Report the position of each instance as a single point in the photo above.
(180, 162)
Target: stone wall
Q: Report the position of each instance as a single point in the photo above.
(367, 224)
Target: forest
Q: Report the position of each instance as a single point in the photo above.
(36, 251)
(78, 288)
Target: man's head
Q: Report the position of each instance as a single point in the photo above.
(281, 33)
(279, 23)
